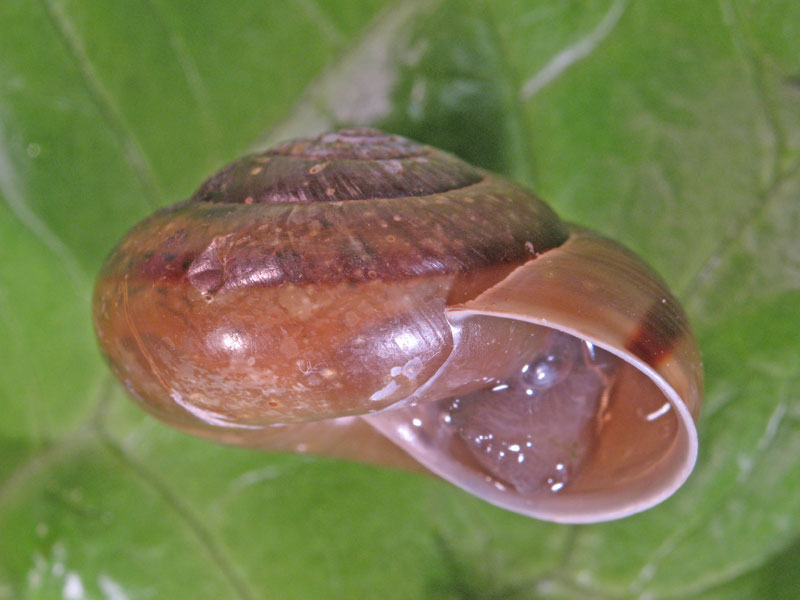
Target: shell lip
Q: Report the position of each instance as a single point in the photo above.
(687, 430)
(578, 508)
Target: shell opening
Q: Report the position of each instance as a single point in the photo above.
(543, 423)
(534, 428)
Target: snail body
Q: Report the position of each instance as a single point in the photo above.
(364, 296)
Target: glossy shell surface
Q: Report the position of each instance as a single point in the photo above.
(364, 296)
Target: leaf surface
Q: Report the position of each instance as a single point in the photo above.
(673, 128)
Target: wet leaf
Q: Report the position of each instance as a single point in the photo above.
(674, 128)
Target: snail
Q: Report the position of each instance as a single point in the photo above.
(364, 296)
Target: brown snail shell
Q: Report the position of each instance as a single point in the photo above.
(364, 296)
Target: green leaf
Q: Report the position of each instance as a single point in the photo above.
(673, 127)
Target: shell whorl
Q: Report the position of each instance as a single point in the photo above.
(352, 206)
(351, 164)
(265, 269)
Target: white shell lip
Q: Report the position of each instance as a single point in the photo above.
(573, 508)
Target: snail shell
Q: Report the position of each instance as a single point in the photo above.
(365, 296)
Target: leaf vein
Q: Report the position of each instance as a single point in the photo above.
(107, 106)
(523, 158)
(362, 66)
(188, 66)
(710, 267)
(692, 525)
(575, 52)
(14, 197)
(40, 460)
(715, 580)
(321, 21)
(212, 546)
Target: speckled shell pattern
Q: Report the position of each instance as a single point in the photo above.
(284, 289)
(305, 292)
